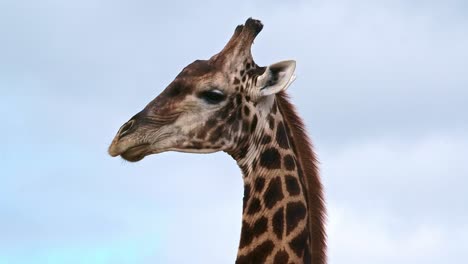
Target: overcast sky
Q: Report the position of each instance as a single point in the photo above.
(382, 87)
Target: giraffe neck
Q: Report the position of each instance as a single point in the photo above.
(275, 225)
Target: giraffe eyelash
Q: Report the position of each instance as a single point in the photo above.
(214, 96)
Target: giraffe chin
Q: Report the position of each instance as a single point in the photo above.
(136, 153)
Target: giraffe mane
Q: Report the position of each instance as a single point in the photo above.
(316, 205)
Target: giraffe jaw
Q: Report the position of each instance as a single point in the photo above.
(136, 153)
(130, 153)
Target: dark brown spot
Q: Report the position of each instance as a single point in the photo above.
(292, 185)
(246, 110)
(260, 226)
(242, 152)
(270, 159)
(246, 195)
(271, 122)
(259, 184)
(202, 133)
(244, 78)
(254, 206)
(289, 163)
(278, 223)
(281, 136)
(238, 99)
(282, 257)
(295, 212)
(253, 125)
(246, 235)
(266, 139)
(236, 81)
(273, 193)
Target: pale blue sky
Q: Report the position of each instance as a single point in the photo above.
(382, 87)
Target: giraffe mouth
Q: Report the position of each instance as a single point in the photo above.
(136, 153)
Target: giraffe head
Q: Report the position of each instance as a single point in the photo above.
(210, 105)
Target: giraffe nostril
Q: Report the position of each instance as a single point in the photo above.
(125, 129)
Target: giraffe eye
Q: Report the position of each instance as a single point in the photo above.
(214, 96)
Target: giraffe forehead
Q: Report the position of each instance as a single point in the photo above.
(187, 82)
(200, 74)
(198, 68)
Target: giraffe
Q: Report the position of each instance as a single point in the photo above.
(229, 103)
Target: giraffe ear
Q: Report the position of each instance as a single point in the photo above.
(277, 77)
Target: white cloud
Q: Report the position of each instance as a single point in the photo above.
(417, 171)
(396, 201)
(367, 237)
